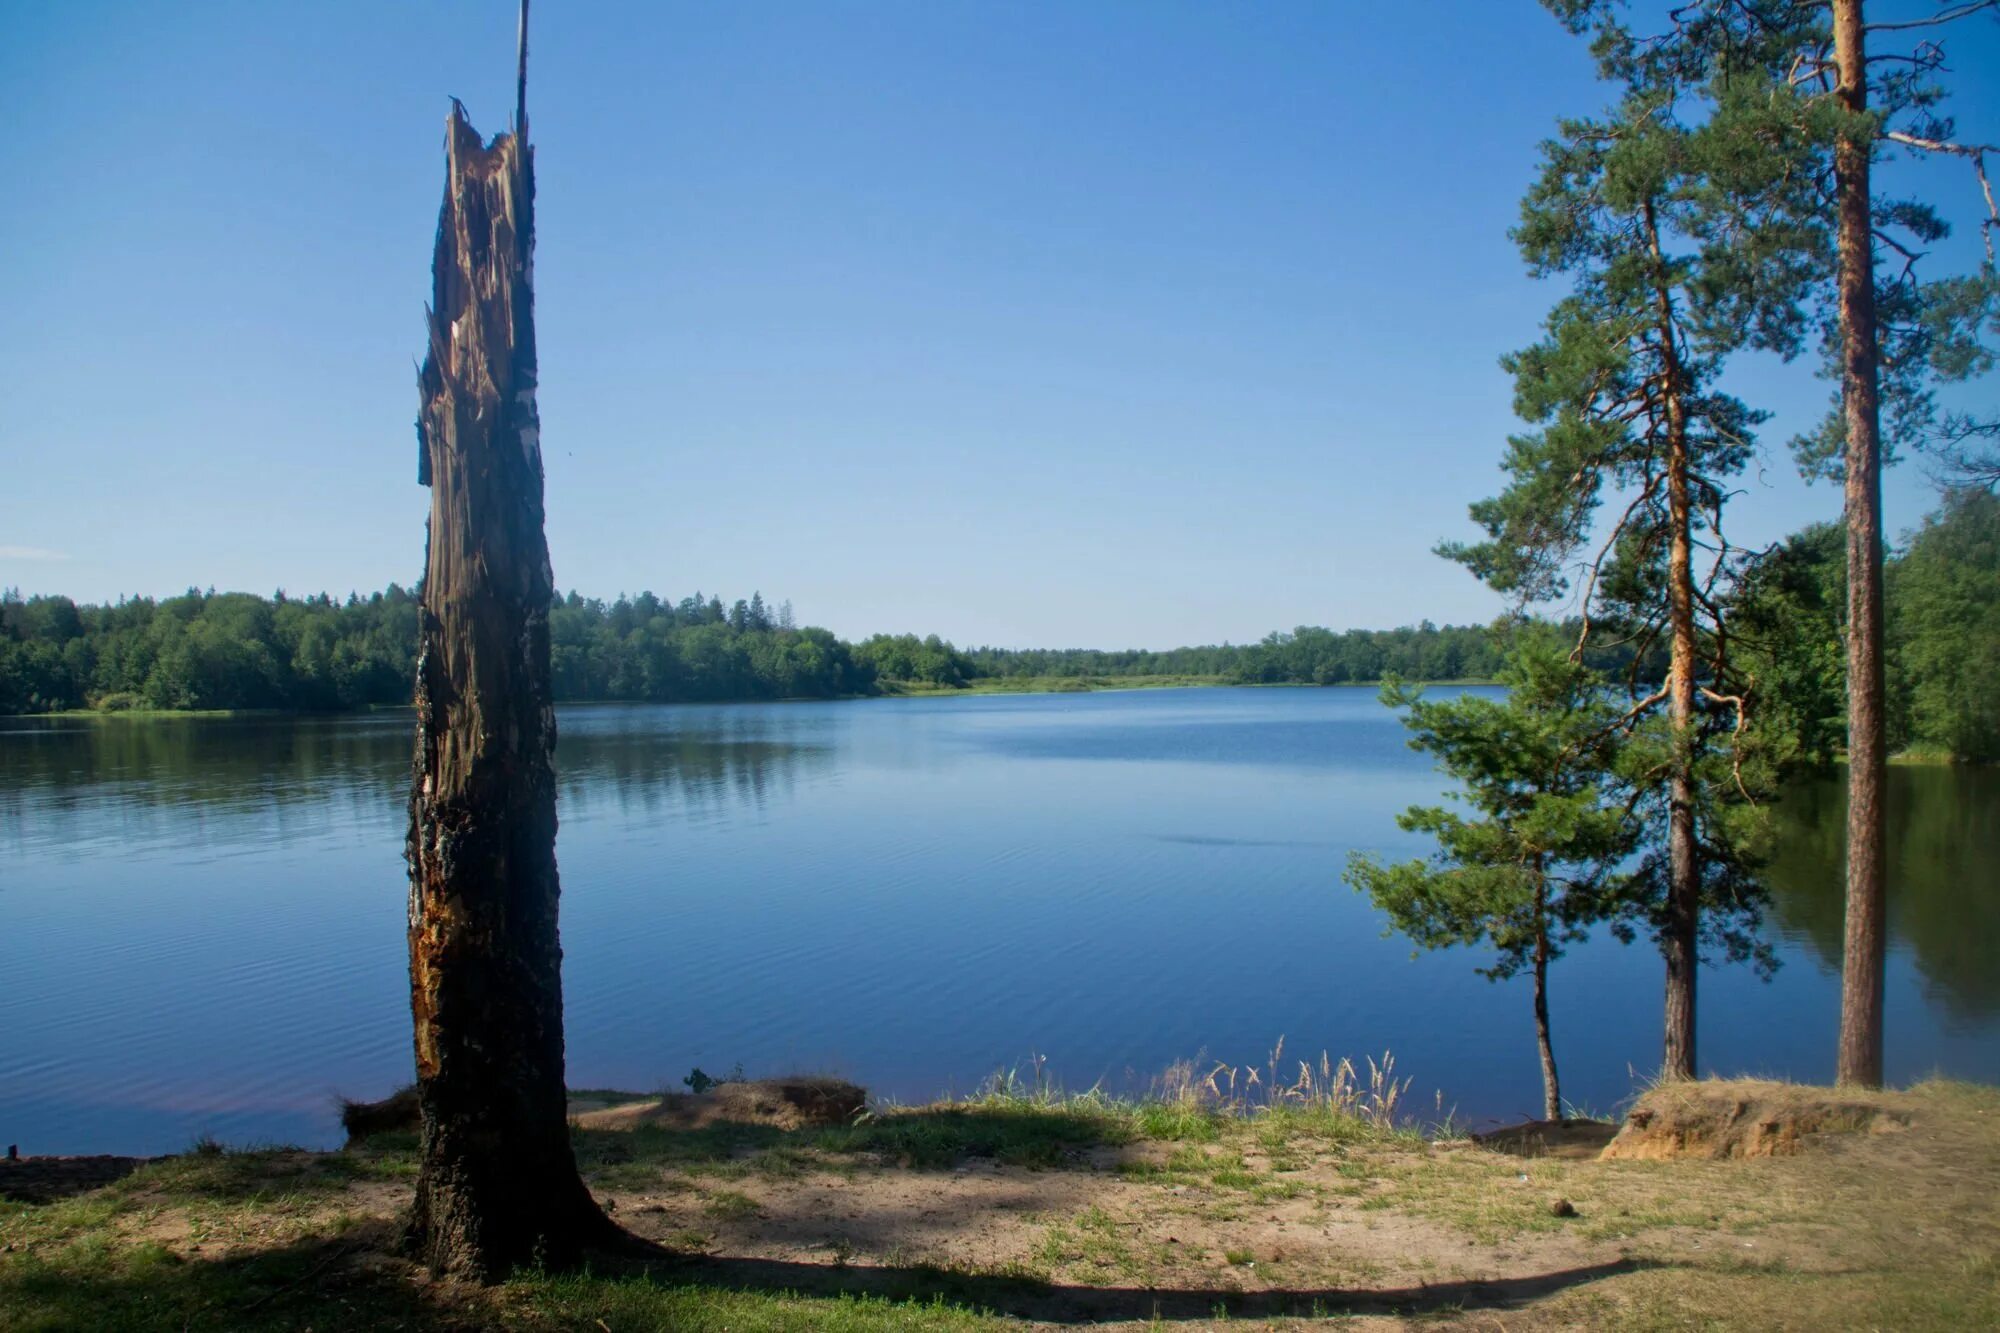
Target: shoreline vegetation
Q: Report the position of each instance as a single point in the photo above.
(1720, 209)
(1915, 757)
(885, 689)
(214, 654)
(226, 652)
(1025, 1203)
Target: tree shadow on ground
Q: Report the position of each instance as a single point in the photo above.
(350, 1274)
(356, 1280)
(1076, 1303)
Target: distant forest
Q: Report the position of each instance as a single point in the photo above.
(208, 650)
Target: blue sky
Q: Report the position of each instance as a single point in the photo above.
(1107, 324)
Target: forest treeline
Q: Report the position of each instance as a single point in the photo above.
(238, 650)
(1307, 655)
(1942, 605)
(209, 650)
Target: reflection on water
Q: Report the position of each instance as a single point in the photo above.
(201, 920)
(693, 763)
(175, 779)
(1944, 877)
(69, 783)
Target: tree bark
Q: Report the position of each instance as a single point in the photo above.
(1679, 934)
(1551, 1086)
(1861, 974)
(498, 1185)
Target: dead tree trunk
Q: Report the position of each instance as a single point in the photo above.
(1861, 973)
(498, 1184)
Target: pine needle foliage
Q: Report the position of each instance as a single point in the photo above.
(1533, 858)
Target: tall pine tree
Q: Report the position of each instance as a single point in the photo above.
(1836, 92)
(1622, 393)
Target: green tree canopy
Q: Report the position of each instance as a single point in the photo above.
(1534, 858)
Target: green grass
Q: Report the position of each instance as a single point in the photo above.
(1047, 684)
(259, 1176)
(730, 1205)
(86, 1263)
(645, 1303)
(1014, 1132)
(278, 1238)
(76, 1277)
(153, 714)
(1091, 1245)
(1094, 684)
(1178, 1121)
(1925, 756)
(608, 1096)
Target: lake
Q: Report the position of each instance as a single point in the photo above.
(201, 919)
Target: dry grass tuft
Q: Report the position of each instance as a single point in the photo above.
(1323, 1090)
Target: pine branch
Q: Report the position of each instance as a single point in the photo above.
(1976, 153)
(1946, 16)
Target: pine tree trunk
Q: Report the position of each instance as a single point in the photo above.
(1679, 933)
(1551, 1086)
(1683, 868)
(498, 1184)
(1861, 975)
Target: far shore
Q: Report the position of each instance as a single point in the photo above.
(899, 689)
(891, 689)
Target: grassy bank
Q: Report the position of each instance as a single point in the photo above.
(1094, 684)
(1045, 685)
(1060, 1211)
(149, 713)
(885, 689)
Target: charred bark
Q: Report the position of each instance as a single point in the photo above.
(498, 1185)
(1860, 1060)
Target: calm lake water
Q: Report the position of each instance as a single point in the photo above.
(201, 921)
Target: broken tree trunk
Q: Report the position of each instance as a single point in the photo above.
(498, 1185)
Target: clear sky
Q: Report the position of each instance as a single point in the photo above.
(1056, 324)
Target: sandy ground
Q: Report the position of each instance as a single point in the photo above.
(1276, 1233)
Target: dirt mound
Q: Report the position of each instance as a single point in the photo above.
(788, 1103)
(1743, 1118)
(396, 1111)
(1574, 1140)
(47, 1179)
